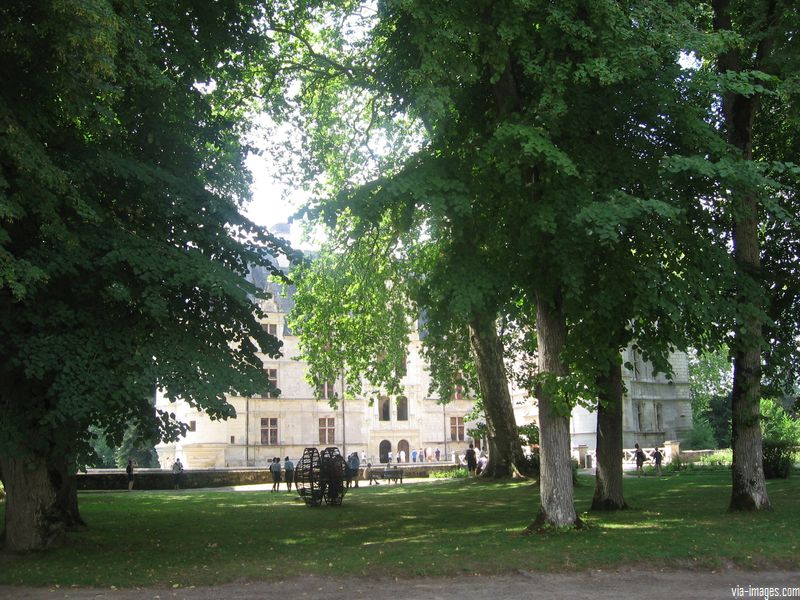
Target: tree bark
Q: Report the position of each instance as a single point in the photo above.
(33, 520)
(608, 489)
(748, 489)
(555, 482)
(63, 477)
(506, 457)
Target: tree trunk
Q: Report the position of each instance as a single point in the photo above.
(33, 519)
(63, 477)
(608, 493)
(748, 490)
(555, 482)
(506, 457)
(748, 487)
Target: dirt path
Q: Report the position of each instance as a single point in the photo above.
(597, 585)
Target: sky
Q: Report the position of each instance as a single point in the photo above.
(273, 204)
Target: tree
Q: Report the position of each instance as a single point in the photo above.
(123, 257)
(505, 177)
(510, 126)
(762, 38)
(355, 304)
(353, 312)
(393, 201)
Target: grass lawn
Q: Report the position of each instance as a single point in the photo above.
(438, 528)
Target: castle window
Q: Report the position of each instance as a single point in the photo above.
(456, 429)
(269, 431)
(384, 409)
(402, 408)
(327, 430)
(326, 391)
(272, 377)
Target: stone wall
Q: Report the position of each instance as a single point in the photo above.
(159, 479)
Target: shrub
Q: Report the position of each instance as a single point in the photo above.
(777, 424)
(778, 455)
(675, 465)
(530, 464)
(529, 434)
(451, 474)
(723, 458)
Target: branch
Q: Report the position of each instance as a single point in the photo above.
(344, 70)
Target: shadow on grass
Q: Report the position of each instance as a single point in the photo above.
(445, 528)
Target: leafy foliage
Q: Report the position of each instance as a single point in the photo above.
(353, 312)
(123, 256)
(710, 384)
(778, 458)
(777, 424)
(138, 448)
(700, 436)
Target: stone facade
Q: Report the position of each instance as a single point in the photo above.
(267, 427)
(655, 410)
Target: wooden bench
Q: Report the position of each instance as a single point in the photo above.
(385, 474)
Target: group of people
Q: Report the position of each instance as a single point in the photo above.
(352, 467)
(425, 455)
(640, 457)
(420, 455)
(288, 473)
(475, 464)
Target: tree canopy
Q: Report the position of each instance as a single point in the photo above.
(123, 253)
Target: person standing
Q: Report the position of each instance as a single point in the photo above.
(275, 469)
(482, 462)
(177, 472)
(368, 475)
(639, 456)
(472, 460)
(437, 454)
(353, 466)
(657, 457)
(401, 456)
(414, 455)
(129, 471)
(288, 467)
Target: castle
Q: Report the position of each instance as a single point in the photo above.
(655, 410)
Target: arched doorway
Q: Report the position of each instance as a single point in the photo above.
(383, 450)
(402, 446)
